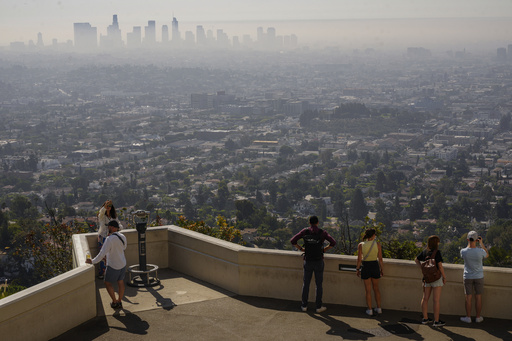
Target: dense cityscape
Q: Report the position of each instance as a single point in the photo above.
(264, 136)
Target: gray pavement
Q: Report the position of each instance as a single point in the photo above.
(184, 308)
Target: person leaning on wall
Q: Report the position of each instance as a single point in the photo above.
(369, 268)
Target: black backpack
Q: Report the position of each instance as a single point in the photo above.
(313, 245)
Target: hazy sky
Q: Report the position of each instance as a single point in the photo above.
(21, 20)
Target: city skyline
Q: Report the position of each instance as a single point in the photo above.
(86, 38)
(23, 21)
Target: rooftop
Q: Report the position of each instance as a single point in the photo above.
(185, 308)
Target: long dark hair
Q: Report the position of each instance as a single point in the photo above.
(433, 242)
(368, 234)
(113, 214)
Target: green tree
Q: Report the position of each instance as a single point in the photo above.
(49, 247)
(13, 288)
(286, 151)
(222, 194)
(500, 257)
(244, 209)
(358, 208)
(222, 231)
(188, 210)
(21, 207)
(393, 248)
(503, 209)
(416, 209)
(505, 122)
(380, 182)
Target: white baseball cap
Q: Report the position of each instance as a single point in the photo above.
(473, 235)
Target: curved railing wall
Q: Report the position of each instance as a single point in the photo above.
(51, 308)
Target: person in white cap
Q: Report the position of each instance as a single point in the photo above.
(473, 274)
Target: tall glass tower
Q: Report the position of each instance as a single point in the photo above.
(175, 30)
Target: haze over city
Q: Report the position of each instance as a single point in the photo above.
(352, 24)
(243, 119)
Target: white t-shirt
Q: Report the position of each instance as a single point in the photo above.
(113, 248)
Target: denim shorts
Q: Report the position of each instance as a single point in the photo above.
(112, 275)
(438, 283)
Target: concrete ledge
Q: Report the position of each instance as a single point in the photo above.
(207, 258)
(156, 246)
(278, 274)
(59, 304)
(50, 308)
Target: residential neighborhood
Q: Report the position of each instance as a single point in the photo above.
(420, 143)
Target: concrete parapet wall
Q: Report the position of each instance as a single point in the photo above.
(68, 300)
(51, 308)
(278, 274)
(207, 258)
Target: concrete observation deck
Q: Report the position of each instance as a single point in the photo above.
(185, 308)
(215, 290)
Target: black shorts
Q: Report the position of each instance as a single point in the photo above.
(370, 269)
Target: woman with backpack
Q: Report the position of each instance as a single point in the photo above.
(431, 263)
(369, 256)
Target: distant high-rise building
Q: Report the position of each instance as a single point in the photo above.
(247, 41)
(113, 38)
(165, 34)
(260, 36)
(290, 41)
(222, 38)
(150, 33)
(134, 39)
(509, 51)
(189, 38)
(209, 36)
(17, 46)
(294, 40)
(176, 36)
(86, 37)
(271, 38)
(40, 40)
(236, 42)
(200, 35)
(501, 54)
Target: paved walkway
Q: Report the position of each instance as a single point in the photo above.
(184, 308)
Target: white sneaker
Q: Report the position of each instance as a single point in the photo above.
(369, 312)
(466, 319)
(479, 319)
(321, 309)
(377, 311)
(304, 308)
